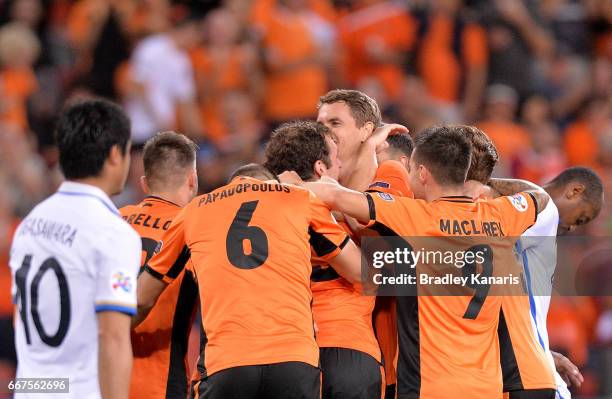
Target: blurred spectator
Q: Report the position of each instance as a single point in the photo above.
(545, 159)
(225, 63)
(238, 114)
(416, 108)
(451, 57)
(582, 137)
(518, 38)
(162, 93)
(565, 80)
(510, 138)
(377, 37)
(25, 171)
(19, 49)
(567, 21)
(297, 46)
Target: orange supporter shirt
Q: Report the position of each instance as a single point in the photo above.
(391, 178)
(159, 343)
(230, 77)
(448, 345)
(250, 252)
(580, 144)
(386, 23)
(292, 91)
(16, 85)
(439, 66)
(509, 138)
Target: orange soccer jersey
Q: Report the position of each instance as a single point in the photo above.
(391, 178)
(524, 362)
(342, 312)
(250, 244)
(159, 343)
(447, 346)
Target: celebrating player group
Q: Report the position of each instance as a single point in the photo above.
(272, 265)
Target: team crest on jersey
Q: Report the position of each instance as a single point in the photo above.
(379, 183)
(120, 280)
(519, 202)
(385, 196)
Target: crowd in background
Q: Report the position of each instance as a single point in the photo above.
(535, 75)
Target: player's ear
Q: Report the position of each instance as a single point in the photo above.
(404, 161)
(192, 181)
(115, 156)
(574, 190)
(424, 175)
(143, 184)
(366, 131)
(319, 168)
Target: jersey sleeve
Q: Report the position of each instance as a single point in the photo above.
(391, 178)
(117, 262)
(327, 238)
(172, 254)
(518, 212)
(392, 215)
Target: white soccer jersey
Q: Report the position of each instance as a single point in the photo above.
(539, 246)
(72, 256)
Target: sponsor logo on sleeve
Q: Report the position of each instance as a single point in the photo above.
(519, 202)
(121, 281)
(159, 246)
(385, 196)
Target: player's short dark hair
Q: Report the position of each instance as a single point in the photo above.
(85, 133)
(402, 143)
(593, 192)
(363, 107)
(297, 146)
(484, 154)
(446, 153)
(253, 170)
(166, 157)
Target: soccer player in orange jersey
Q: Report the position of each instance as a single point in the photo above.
(160, 342)
(447, 344)
(350, 357)
(367, 164)
(391, 178)
(525, 369)
(250, 243)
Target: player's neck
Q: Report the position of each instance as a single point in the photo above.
(348, 167)
(99, 182)
(435, 192)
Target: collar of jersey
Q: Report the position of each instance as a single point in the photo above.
(455, 198)
(87, 190)
(154, 197)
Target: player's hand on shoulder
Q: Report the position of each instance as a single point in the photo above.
(476, 190)
(378, 139)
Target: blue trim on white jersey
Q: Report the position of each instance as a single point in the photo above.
(116, 308)
(532, 306)
(110, 208)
